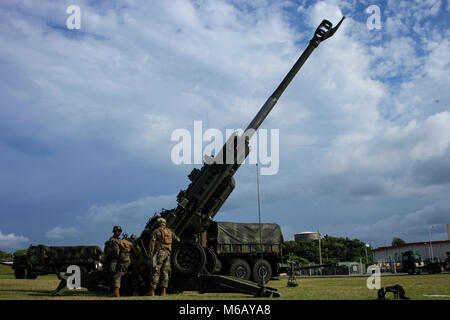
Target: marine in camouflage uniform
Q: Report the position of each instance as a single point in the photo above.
(117, 250)
(161, 248)
(138, 265)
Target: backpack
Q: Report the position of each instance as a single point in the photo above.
(124, 249)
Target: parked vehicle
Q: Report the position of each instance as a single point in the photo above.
(240, 252)
(42, 260)
(412, 262)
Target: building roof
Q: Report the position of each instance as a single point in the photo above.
(307, 232)
(411, 244)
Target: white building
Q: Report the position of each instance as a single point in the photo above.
(438, 250)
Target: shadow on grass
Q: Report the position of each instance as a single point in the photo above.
(67, 295)
(39, 292)
(50, 293)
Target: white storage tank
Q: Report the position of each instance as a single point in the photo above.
(306, 235)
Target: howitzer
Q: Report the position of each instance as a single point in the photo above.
(192, 264)
(213, 183)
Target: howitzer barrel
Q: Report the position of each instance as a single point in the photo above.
(323, 32)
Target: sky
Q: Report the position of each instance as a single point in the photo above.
(86, 115)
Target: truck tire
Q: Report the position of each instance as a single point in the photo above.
(239, 269)
(262, 271)
(21, 273)
(211, 260)
(188, 258)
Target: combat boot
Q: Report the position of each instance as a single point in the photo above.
(163, 291)
(151, 293)
(116, 292)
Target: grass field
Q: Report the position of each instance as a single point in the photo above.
(335, 288)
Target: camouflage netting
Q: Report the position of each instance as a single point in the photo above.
(245, 237)
(43, 255)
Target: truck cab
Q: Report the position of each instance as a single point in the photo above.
(412, 262)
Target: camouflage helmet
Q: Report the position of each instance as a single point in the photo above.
(161, 221)
(133, 237)
(117, 228)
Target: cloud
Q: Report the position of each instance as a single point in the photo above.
(400, 160)
(131, 214)
(396, 58)
(411, 15)
(61, 233)
(90, 112)
(421, 96)
(12, 241)
(412, 226)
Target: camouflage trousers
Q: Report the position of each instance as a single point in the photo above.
(161, 269)
(121, 269)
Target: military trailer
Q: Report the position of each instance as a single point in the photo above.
(42, 260)
(240, 251)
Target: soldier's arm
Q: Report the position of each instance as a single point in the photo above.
(115, 249)
(106, 246)
(174, 236)
(152, 243)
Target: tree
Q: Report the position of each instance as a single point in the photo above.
(396, 242)
(20, 252)
(333, 250)
(4, 256)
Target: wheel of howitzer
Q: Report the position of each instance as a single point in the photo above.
(262, 271)
(240, 269)
(211, 260)
(21, 273)
(188, 258)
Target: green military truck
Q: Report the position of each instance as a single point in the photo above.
(42, 260)
(412, 262)
(241, 254)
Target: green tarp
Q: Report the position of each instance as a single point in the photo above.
(43, 255)
(245, 237)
